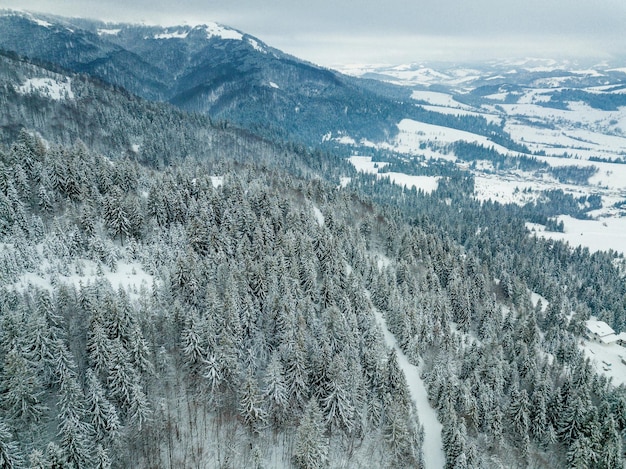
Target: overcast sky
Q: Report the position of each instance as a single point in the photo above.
(332, 32)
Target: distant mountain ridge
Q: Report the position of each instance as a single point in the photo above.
(213, 70)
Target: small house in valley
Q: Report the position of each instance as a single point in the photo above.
(600, 331)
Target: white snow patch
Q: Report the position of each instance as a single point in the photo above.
(256, 46)
(43, 23)
(535, 298)
(413, 133)
(579, 130)
(597, 235)
(498, 96)
(607, 359)
(610, 175)
(428, 184)
(345, 140)
(456, 111)
(506, 189)
(108, 32)
(365, 164)
(319, 216)
(172, 35)
(437, 99)
(54, 89)
(382, 261)
(128, 275)
(217, 181)
(216, 30)
(434, 456)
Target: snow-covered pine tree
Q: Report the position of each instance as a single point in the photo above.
(311, 445)
(10, 456)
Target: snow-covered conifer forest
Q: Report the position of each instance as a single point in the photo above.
(178, 290)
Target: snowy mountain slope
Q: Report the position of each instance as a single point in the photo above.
(214, 70)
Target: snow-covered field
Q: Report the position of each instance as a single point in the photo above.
(597, 235)
(513, 189)
(365, 164)
(438, 99)
(607, 359)
(413, 133)
(55, 89)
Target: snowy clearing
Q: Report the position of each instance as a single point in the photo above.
(365, 164)
(53, 89)
(505, 190)
(597, 235)
(217, 181)
(491, 118)
(42, 23)
(607, 359)
(129, 276)
(256, 46)
(427, 184)
(438, 99)
(535, 298)
(413, 133)
(609, 175)
(319, 216)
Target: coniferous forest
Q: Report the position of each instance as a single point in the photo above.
(179, 292)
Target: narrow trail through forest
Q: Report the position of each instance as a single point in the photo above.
(434, 457)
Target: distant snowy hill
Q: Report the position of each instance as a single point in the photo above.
(569, 118)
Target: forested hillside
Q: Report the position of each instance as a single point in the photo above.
(176, 292)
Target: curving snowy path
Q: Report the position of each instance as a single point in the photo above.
(434, 457)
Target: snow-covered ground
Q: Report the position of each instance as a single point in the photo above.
(607, 359)
(491, 118)
(438, 99)
(319, 216)
(413, 133)
(55, 89)
(217, 30)
(597, 235)
(217, 181)
(111, 32)
(365, 164)
(434, 457)
(128, 275)
(172, 35)
(512, 189)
